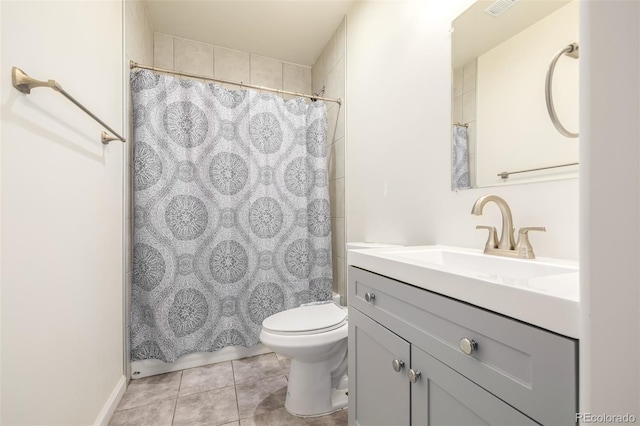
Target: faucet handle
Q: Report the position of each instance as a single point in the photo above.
(523, 247)
(493, 236)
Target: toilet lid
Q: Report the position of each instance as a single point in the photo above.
(309, 319)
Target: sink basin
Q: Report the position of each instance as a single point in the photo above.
(481, 264)
(542, 291)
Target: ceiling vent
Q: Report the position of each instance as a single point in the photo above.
(499, 7)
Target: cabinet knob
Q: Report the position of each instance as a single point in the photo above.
(397, 364)
(369, 297)
(468, 346)
(413, 375)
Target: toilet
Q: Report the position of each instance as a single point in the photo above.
(314, 337)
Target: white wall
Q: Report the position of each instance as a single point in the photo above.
(610, 206)
(62, 214)
(398, 156)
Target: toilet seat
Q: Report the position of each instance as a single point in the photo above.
(306, 320)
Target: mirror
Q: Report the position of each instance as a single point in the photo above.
(499, 64)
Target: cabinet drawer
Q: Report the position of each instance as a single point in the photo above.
(531, 369)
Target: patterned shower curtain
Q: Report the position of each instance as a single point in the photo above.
(460, 158)
(232, 218)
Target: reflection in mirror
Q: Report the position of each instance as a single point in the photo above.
(500, 119)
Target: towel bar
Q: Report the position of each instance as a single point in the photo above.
(22, 82)
(570, 50)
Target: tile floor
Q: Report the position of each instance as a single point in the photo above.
(244, 392)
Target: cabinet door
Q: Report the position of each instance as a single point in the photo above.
(378, 395)
(441, 396)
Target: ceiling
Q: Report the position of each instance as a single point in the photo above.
(290, 30)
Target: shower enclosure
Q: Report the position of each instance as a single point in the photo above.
(232, 218)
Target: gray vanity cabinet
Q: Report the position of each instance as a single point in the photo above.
(509, 373)
(440, 396)
(383, 396)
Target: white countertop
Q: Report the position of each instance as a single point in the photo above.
(551, 301)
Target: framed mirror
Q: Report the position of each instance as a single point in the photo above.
(502, 132)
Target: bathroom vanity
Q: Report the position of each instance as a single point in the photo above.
(425, 349)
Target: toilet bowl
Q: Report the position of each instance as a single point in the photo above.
(314, 337)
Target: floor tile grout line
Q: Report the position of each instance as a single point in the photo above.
(175, 408)
(144, 405)
(255, 415)
(205, 391)
(180, 385)
(151, 403)
(249, 379)
(233, 372)
(197, 393)
(235, 390)
(255, 379)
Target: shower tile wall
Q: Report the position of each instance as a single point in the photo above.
(464, 106)
(190, 56)
(329, 71)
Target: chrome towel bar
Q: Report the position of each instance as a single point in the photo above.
(505, 175)
(572, 51)
(22, 82)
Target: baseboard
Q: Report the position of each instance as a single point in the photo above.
(112, 403)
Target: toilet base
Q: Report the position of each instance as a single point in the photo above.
(339, 401)
(310, 393)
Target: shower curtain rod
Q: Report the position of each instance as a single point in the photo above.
(133, 65)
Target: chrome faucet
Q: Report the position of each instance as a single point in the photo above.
(506, 246)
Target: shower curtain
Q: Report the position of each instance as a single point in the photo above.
(460, 158)
(232, 218)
